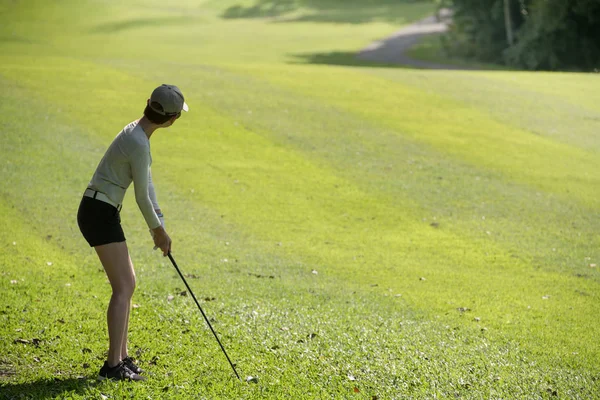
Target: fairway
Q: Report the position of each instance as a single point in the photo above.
(352, 232)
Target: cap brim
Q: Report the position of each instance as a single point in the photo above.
(185, 107)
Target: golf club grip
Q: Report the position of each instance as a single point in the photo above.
(202, 311)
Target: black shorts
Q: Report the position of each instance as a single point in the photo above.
(99, 222)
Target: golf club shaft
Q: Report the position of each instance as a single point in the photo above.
(204, 315)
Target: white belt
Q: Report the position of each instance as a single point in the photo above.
(94, 194)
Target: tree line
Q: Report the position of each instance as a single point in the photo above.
(529, 34)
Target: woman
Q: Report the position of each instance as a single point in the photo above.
(127, 160)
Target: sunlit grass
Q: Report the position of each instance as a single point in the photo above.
(352, 232)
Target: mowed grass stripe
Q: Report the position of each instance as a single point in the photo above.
(568, 115)
(458, 130)
(576, 88)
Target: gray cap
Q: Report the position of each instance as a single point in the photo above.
(167, 100)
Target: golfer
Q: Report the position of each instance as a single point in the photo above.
(127, 160)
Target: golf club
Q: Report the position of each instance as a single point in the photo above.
(204, 315)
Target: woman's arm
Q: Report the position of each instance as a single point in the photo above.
(140, 170)
(152, 195)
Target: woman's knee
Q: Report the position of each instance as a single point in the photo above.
(124, 290)
(126, 286)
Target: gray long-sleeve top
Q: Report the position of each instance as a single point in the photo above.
(127, 160)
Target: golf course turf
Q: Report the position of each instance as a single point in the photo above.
(367, 232)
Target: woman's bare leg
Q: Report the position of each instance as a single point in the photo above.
(115, 260)
(124, 350)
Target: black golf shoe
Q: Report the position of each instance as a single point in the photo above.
(128, 361)
(119, 372)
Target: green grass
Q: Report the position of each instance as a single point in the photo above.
(352, 232)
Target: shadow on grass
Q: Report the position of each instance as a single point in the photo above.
(360, 59)
(136, 23)
(262, 9)
(341, 58)
(332, 11)
(17, 39)
(46, 388)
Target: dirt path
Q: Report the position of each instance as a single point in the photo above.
(392, 50)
